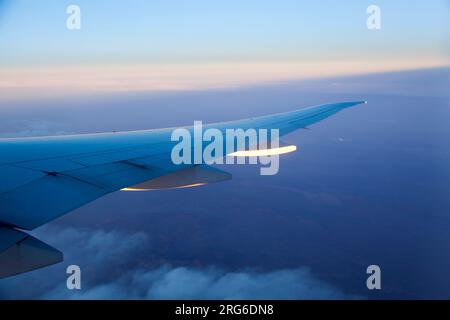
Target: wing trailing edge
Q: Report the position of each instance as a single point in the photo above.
(198, 175)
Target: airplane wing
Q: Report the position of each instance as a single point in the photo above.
(46, 177)
(43, 178)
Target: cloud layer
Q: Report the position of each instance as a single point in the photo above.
(112, 268)
(18, 84)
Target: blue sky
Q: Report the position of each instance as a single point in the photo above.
(34, 32)
(148, 46)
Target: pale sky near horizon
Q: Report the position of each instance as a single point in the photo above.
(158, 45)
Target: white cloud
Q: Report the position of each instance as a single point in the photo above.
(111, 269)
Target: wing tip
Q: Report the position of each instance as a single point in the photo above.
(353, 103)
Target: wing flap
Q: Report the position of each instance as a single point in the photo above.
(45, 199)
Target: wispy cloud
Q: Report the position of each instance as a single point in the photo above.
(57, 81)
(169, 282)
